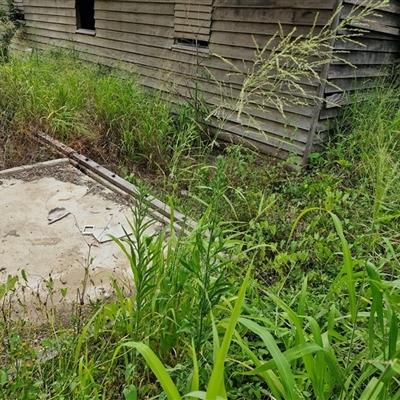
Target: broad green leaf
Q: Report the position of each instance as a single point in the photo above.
(130, 392)
(3, 377)
(8, 285)
(24, 276)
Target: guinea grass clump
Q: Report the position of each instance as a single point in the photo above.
(367, 144)
(107, 116)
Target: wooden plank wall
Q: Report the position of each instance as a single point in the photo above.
(378, 47)
(141, 32)
(19, 4)
(193, 21)
(235, 24)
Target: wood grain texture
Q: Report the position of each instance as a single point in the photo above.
(378, 47)
(192, 20)
(143, 34)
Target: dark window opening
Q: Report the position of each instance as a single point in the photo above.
(85, 14)
(201, 44)
(14, 13)
(19, 16)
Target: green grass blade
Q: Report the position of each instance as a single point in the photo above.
(331, 322)
(300, 335)
(200, 395)
(158, 369)
(84, 334)
(393, 334)
(196, 395)
(302, 298)
(216, 385)
(216, 344)
(290, 355)
(372, 390)
(320, 359)
(286, 374)
(377, 305)
(195, 378)
(348, 267)
(273, 382)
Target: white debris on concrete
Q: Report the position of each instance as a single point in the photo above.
(41, 222)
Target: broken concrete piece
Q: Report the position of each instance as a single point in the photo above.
(56, 214)
(88, 230)
(13, 232)
(103, 234)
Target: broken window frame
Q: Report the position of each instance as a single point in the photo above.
(85, 16)
(192, 25)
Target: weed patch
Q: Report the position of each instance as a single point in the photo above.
(287, 288)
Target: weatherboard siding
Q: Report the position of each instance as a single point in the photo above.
(143, 34)
(377, 48)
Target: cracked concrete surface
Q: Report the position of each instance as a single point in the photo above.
(28, 242)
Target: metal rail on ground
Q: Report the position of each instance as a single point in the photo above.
(157, 208)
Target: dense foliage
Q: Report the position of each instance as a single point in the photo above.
(286, 289)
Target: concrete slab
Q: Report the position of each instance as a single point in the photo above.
(61, 249)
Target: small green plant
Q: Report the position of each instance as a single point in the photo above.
(209, 257)
(146, 258)
(216, 386)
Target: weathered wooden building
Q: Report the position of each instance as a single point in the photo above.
(172, 46)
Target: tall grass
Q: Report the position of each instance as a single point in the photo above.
(281, 66)
(201, 340)
(287, 288)
(104, 113)
(370, 146)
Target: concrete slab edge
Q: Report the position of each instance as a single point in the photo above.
(158, 209)
(159, 217)
(44, 164)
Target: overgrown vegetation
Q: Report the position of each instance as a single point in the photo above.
(287, 62)
(287, 288)
(91, 109)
